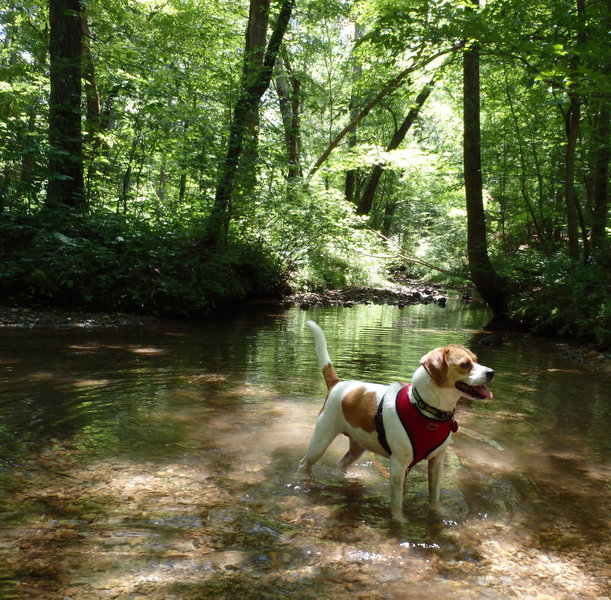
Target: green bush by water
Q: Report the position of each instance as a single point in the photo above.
(111, 263)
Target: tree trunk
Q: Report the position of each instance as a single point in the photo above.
(182, 189)
(599, 239)
(570, 197)
(572, 121)
(253, 88)
(28, 154)
(254, 53)
(65, 187)
(600, 193)
(350, 184)
(483, 275)
(93, 115)
(389, 213)
(364, 206)
(288, 88)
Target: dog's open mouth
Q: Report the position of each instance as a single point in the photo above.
(475, 391)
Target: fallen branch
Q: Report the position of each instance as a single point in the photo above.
(415, 259)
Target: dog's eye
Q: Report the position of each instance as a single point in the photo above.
(465, 364)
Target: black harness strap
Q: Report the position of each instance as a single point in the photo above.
(380, 427)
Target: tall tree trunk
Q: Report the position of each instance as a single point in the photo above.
(288, 88)
(28, 154)
(483, 275)
(65, 186)
(572, 122)
(366, 202)
(600, 193)
(93, 114)
(600, 173)
(570, 196)
(389, 213)
(252, 90)
(254, 53)
(350, 185)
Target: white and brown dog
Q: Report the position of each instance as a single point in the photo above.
(406, 424)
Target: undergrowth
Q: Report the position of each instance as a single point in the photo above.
(111, 263)
(559, 296)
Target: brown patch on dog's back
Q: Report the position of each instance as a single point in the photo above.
(360, 407)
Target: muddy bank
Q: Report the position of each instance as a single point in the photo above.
(396, 295)
(57, 318)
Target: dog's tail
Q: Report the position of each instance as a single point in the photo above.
(322, 353)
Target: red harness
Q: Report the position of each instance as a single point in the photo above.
(425, 434)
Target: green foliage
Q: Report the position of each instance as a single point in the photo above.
(107, 262)
(166, 77)
(315, 236)
(559, 296)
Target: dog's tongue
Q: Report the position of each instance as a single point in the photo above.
(483, 390)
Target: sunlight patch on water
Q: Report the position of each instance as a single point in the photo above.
(91, 383)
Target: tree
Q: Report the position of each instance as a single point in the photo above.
(366, 201)
(485, 278)
(388, 87)
(255, 82)
(288, 88)
(600, 169)
(65, 186)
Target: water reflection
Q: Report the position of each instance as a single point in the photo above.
(160, 462)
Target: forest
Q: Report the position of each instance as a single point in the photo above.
(175, 157)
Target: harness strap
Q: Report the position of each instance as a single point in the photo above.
(425, 433)
(380, 427)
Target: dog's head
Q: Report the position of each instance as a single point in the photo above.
(455, 367)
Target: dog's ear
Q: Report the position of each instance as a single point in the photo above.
(436, 365)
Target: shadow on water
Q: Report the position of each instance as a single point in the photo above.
(159, 463)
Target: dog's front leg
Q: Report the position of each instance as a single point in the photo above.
(435, 475)
(398, 469)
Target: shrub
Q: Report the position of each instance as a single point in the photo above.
(560, 296)
(106, 262)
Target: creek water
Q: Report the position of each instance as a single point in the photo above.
(159, 463)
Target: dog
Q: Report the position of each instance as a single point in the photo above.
(403, 423)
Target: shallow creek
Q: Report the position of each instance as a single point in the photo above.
(159, 463)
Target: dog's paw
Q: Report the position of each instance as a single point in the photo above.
(304, 474)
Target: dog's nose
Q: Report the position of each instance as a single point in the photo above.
(489, 375)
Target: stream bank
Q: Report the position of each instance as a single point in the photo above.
(408, 293)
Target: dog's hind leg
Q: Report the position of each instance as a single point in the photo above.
(354, 453)
(324, 433)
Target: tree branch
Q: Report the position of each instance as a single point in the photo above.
(390, 87)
